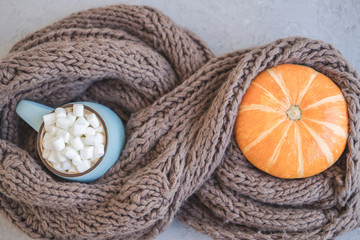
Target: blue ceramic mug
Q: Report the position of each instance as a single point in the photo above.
(32, 113)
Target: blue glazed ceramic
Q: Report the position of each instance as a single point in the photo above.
(33, 113)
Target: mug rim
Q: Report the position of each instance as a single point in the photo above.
(72, 175)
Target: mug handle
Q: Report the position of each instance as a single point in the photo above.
(32, 112)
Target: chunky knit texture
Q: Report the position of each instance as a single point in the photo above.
(180, 158)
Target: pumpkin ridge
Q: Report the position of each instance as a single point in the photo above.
(321, 143)
(335, 98)
(302, 93)
(262, 136)
(270, 95)
(299, 151)
(276, 152)
(336, 129)
(258, 107)
(280, 81)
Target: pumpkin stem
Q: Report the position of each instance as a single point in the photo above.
(294, 113)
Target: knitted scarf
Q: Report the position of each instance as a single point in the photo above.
(179, 105)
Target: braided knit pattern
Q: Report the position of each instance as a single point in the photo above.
(179, 105)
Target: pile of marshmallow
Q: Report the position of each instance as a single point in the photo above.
(73, 139)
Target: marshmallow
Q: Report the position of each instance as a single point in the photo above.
(99, 150)
(60, 112)
(99, 137)
(47, 136)
(99, 129)
(93, 160)
(71, 117)
(87, 152)
(71, 153)
(83, 166)
(49, 119)
(58, 144)
(58, 166)
(90, 140)
(93, 120)
(72, 169)
(47, 141)
(76, 160)
(45, 153)
(77, 144)
(60, 157)
(82, 120)
(78, 129)
(52, 157)
(78, 110)
(90, 131)
(83, 140)
(65, 135)
(51, 129)
(63, 123)
(66, 165)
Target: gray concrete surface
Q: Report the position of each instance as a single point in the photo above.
(225, 25)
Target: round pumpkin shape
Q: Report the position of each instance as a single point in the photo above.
(292, 122)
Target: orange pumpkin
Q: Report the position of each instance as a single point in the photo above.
(292, 122)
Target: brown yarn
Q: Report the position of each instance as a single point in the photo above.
(180, 156)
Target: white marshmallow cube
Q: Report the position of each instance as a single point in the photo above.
(52, 157)
(60, 112)
(78, 129)
(49, 119)
(60, 157)
(47, 141)
(72, 169)
(93, 120)
(51, 129)
(66, 165)
(45, 153)
(99, 137)
(78, 110)
(71, 117)
(58, 166)
(77, 160)
(99, 150)
(90, 140)
(77, 144)
(58, 144)
(48, 146)
(83, 140)
(99, 129)
(63, 123)
(82, 120)
(83, 166)
(47, 136)
(71, 153)
(87, 152)
(90, 131)
(65, 135)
